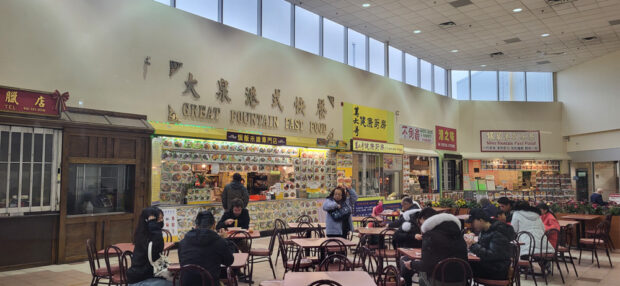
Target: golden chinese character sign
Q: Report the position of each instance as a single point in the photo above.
(255, 138)
(361, 122)
(21, 101)
(376, 147)
(509, 141)
(445, 138)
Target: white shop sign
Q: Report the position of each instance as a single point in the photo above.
(413, 133)
(509, 141)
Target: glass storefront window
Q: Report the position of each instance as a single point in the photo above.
(100, 188)
(377, 175)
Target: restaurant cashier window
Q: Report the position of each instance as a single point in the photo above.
(97, 188)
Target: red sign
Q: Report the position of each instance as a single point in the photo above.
(445, 138)
(21, 101)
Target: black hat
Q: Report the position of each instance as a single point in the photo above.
(477, 214)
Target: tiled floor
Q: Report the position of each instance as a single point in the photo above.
(79, 274)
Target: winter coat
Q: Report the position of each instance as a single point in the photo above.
(141, 268)
(234, 190)
(530, 222)
(243, 220)
(597, 198)
(404, 236)
(401, 218)
(206, 248)
(332, 226)
(494, 250)
(441, 239)
(551, 222)
(490, 210)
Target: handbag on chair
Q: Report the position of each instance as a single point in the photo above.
(160, 266)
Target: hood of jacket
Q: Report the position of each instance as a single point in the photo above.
(407, 216)
(444, 220)
(201, 237)
(504, 229)
(528, 215)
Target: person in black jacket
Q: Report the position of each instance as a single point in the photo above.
(148, 231)
(505, 205)
(236, 216)
(235, 190)
(404, 236)
(203, 246)
(407, 204)
(493, 246)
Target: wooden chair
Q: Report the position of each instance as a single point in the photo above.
(242, 239)
(292, 264)
(325, 282)
(527, 266)
(592, 232)
(440, 271)
(389, 276)
(119, 278)
(335, 262)
(258, 255)
(205, 277)
(331, 246)
(96, 270)
(599, 240)
(513, 272)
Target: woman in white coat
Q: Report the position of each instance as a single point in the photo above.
(527, 218)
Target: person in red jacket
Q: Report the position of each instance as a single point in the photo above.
(550, 221)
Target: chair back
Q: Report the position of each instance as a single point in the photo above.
(304, 218)
(370, 261)
(386, 237)
(93, 259)
(368, 220)
(167, 235)
(546, 245)
(280, 226)
(389, 276)
(272, 240)
(325, 282)
(359, 258)
(331, 246)
(193, 270)
(231, 278)
(242, 239)
(601, 232)
(441, 271)
(282, 248)
(336, 262)
(114, 253)
(528, 239)
(513, 273)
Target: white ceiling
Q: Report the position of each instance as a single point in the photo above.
(481, 28)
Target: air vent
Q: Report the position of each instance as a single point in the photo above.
(614, 22)
(496, 54)
(543, 62)
(447, 24)
(512, 40)
(590, 40)
(460, 3)
(558, 2)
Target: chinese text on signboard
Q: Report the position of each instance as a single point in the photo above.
(509, 141)
(416, 134)
(445, 138)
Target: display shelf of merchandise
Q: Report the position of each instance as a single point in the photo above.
(523, 165)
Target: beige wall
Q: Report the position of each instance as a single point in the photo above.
(95, 50)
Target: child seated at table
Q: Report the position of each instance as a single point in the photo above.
(204, 247)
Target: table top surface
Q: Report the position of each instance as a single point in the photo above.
(314, 224)
(389, 213)
(371, 230)
(316, 242)
(361, 218)
(128, 246)
(241, 259)
(253, 234)
(416, 253)
(581, 217)
(567, 222)
(345, 278)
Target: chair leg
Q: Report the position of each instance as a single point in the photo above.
(277, 256)
(608, 257)
(272, 268)
(560, 270)
(596, 254)
(580, 255)
(573, 263)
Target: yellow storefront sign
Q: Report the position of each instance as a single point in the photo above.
(361, 122)
(376, 147)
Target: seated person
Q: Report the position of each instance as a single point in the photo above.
(407, 204)
(236, 216)
(404, 236)
(489, 208)
(204, 247)
(493, 246)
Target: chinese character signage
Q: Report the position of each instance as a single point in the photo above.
(376, 147)
(416, 134)
(361, 122)
(445, 138)
(32, 102)
(509, 141)
(255, 138)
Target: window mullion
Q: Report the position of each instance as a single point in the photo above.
(31, 170)
(42, 170)
(19, 183)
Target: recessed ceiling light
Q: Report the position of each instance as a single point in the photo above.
(517, 10)
(417, 31)
(483, 65)
(544, 35)
(454, 51)
(366, 5)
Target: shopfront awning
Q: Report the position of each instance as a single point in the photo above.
(515, 155)
(420, 152)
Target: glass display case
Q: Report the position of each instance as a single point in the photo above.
(95, 188)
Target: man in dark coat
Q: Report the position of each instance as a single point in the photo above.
(407, 204)
(493, 246)
(235, 190)
(597, 198)
(404, 236)
(236, 216)
(203, 246)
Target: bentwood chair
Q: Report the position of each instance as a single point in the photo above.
(548, 254)
(460, 268)
(513, 272)
(526, 266)
(282, 229)
(563, 248)
(325, 282)
(292, 264)
(119, 278)
(335, 262)
(258, 255)
(192, 269)
(598, 241)
(96, 270)
(389, 276)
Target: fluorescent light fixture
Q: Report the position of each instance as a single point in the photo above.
(517, 10)
(483, 65)
(454, 51)
(417, 31)
(366, 5)
(544, 35)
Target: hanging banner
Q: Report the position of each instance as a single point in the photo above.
(255, 138)
(22, 101)
(376, 147)
(445, 138)
(367, 123)
(418, 134)
(509, 141)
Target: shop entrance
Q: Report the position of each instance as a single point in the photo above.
(582, 185)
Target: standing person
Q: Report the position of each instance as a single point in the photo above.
(339, 206)
(489, 208)
(148, 231)
(235, 190)
(527, 218)
(597, 198)
(204, 247)
(505, 205)
(493, 246)
(236, 216)
(441, 239)
(550, 221)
